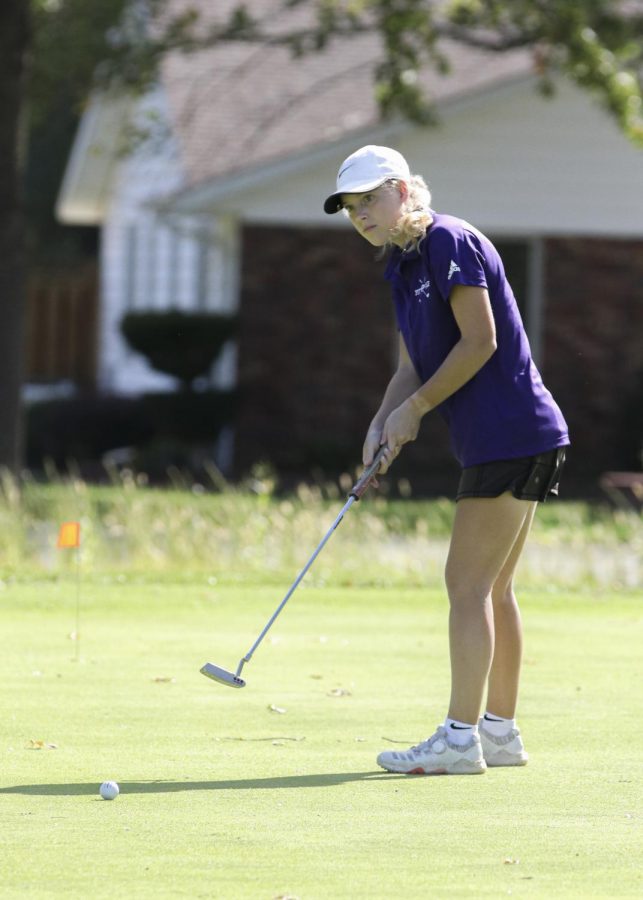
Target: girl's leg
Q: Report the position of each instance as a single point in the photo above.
(485, 531)
(504, 676)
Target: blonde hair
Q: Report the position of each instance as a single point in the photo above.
(415, 217)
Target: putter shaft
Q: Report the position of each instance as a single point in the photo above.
(293, 587)
(359, 488)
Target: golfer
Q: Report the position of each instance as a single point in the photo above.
(463, 351)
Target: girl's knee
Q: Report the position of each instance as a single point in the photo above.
(502, 593)
(464, 591)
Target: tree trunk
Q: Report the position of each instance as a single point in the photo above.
(14, 45)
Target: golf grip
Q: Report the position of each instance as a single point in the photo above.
(360, 487)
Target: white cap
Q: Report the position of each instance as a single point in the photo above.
(365, 170)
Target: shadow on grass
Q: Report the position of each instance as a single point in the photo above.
(171, 787)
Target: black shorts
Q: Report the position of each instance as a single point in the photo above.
(527, 478)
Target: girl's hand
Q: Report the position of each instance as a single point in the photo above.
(401, 427)
(372, 444)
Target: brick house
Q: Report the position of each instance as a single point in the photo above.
(220, 208)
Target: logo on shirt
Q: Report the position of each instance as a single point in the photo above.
(453, 268)
(423, 290)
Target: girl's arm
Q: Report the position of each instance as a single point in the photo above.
(401, 386)
(472, 310)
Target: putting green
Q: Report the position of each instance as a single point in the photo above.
(272, 791)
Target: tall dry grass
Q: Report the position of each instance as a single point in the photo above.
(250, 534)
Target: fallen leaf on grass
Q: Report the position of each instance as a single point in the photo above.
(510, 861)
(277, 709)
(164, 679)
(41, 745)
(339, 692)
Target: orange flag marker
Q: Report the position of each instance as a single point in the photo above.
(69, 538)
(69, 535)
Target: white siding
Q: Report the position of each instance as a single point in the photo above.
(523, 164)
(149, 261)
(511, 161)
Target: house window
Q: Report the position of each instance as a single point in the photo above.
(203, 274)
(173, 270)
(151, 290)
(515, 256)
(131, 254)
(523, 260)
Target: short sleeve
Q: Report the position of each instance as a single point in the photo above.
(455, 257)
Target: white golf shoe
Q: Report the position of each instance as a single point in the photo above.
(436, 756)
(508, 750)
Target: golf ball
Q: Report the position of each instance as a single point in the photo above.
(109, 790)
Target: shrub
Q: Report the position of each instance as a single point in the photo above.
(181, 344)
(85, 427)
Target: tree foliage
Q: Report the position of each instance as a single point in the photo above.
(596, 43)
(81, 44)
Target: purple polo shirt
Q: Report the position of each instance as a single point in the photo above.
(504, 411)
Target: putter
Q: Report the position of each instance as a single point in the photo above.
(234, 679)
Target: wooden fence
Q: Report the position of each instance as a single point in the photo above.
(62, 326)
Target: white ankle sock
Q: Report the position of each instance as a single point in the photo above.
(459, 732)
(496, 725)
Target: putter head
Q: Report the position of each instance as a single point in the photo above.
(222, 676)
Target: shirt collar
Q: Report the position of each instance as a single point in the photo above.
(396, 260)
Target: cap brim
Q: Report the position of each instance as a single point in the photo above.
(333, 204)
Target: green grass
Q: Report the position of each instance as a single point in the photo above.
(223, 797)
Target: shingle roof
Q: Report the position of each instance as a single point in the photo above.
(237, 105)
